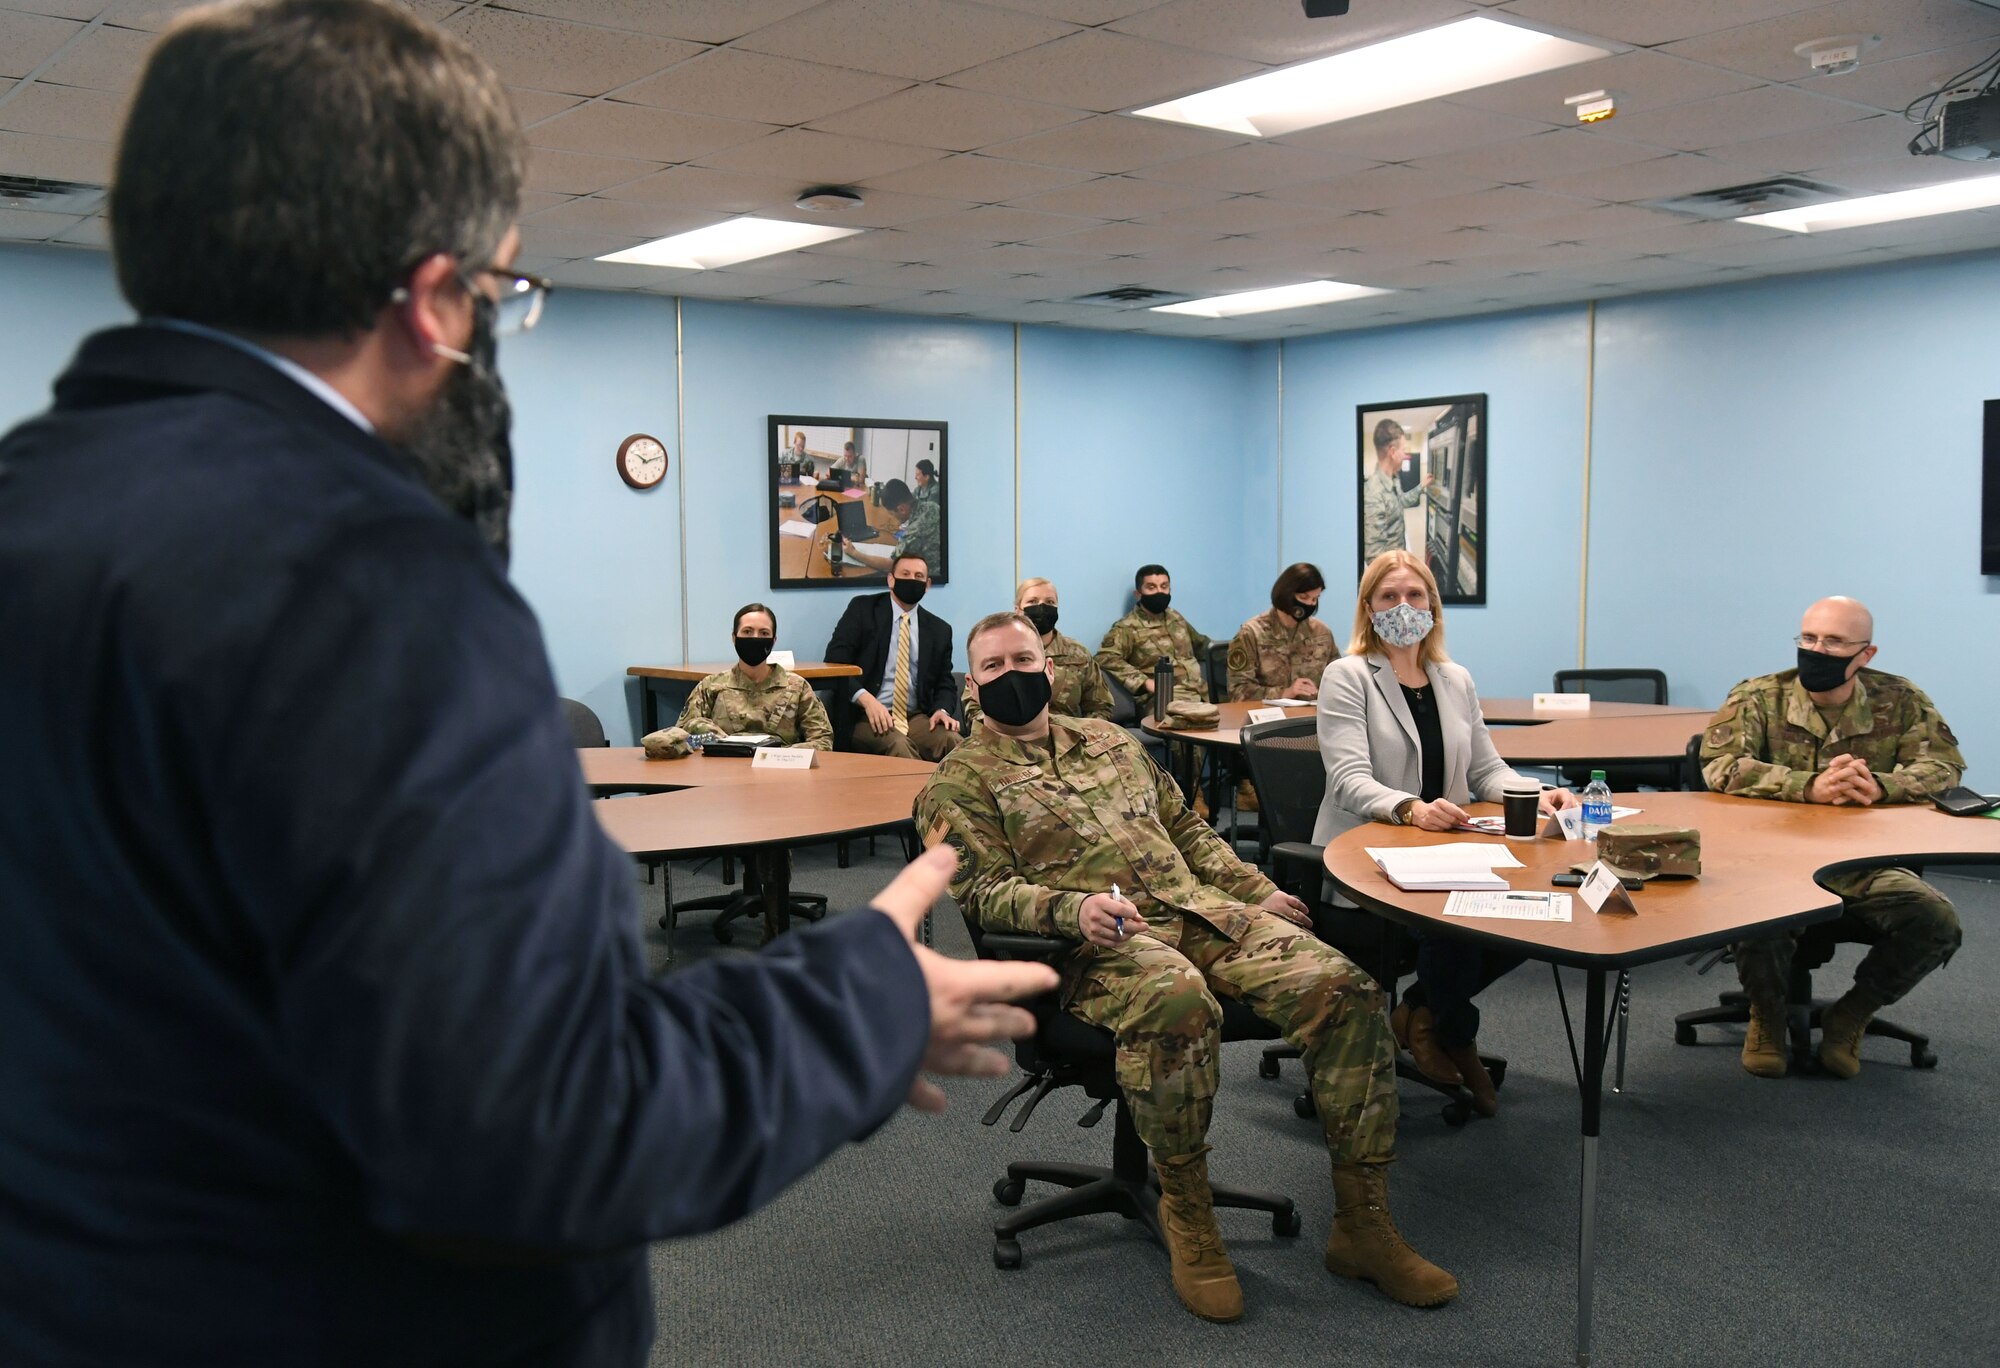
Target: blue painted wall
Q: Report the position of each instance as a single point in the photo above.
(53, 300)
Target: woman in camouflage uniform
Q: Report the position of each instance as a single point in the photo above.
(1079, 689)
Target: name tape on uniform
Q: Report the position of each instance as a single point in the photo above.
(1604, 891)
(784, 757)
(1562, 702)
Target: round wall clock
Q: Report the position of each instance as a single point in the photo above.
(642, 461)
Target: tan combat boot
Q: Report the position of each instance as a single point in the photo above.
(1841, 1027)
(1204, 1279)
(1764, 1042)
(1366, 1244)
(1416, 1032)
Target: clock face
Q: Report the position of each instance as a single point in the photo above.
(642, 461)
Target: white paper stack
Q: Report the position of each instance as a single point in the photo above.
(1455, 864)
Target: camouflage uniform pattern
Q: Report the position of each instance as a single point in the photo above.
(1135, 644)
(1383, 500)
(1078, 690)
(926, 493)
(782, 704)
(1038, 827)
(1272, 649)
(1769, 740)
(923, 535)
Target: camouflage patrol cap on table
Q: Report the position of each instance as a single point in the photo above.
(670, 743)
(1185, 716)
(1649, 852)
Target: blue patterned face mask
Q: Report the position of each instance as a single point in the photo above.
(1403, 625)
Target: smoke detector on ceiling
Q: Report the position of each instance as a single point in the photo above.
(1838, 55)
(829, 199)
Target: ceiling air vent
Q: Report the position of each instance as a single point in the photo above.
(49, 196)
(1758, 197)
(1131, 297)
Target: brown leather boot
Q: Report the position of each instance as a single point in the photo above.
(1764, 1042)
(1366, 1244)
(1478, 1082)
(1246, 797)
(1204, 1279)
(1416, 1031)
(1841, 1027)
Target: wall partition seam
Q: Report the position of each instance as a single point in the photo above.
(681, 485)
(1589, 418)
(1279, 567)
(1017, 454)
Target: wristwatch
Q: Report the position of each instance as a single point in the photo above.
(1400, 814)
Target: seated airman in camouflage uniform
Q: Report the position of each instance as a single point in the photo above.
(1832, 731)
(754, 695)
(921, 533)
(1135, 643)
(1079, 689)
(1282, 653)
(1048, 814)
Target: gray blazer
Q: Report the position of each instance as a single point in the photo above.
(1368, 743)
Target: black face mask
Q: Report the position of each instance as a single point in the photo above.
(1155, 603)
(1302, 610)
(1822, 673)
(461, 447)
(1016, 698)
(754, 651)
(1043, 615)
(909, 591)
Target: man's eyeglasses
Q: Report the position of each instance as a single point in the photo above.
(1832, 645)
(519, 304)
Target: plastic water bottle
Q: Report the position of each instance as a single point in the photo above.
(1596, 805)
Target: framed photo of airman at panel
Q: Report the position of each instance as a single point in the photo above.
(1422, 470)
(847, 492)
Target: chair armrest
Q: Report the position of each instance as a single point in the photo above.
(1290, 856)
(1008, 945)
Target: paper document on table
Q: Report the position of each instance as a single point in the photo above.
(1509, 906)
(1619, 814)
(797, 527)
(1288, 702)
(1455, 864)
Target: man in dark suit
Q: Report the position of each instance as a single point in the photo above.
(330, 1040)
(904, 651)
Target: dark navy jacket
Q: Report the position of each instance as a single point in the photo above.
(325, 1036)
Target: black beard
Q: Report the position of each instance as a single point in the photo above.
(461, 447)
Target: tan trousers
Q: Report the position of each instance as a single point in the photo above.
(924, 741)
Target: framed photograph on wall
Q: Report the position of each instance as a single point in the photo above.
(847, 492)
(1423, 487)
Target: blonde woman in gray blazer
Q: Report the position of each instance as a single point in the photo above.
(1403, 742)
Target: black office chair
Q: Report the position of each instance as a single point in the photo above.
(1290, 779)
(1620, 686)
(1067, 1052)
(584, 728)
(1126, 713)
(1816, 946)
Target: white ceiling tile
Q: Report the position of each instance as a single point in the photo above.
(1079, 11)
(1880, 138)
(1120, 239)
(907, 279)
(1686, 235)
(734, 84)
(604, 275)
(72, 159)
(818, 158)
(1647, 23)
(1102, 71)
(1680, 173)
(102, 58)
(64, 9)
(1907, 173)
(64, 112)
(951, 302)
(547, 54)
(838, 293)
(534, 201)
(574, 173)
(620, 218)
(1016, 258)
(28, 40)
(1109, 143)
(1904, 26)
(94, 231)
(697, 21)
(607, 128)
(569, 245)
(535, 105)
(1502, 204)
(1893, 84)
(1422, 130)
(920, 39)
(940, 116)
(973, 177)
(1239, 214)
(1591, 222)
(1769, 251)
(1118, 197)
(1641, 80)
(1380, 187)
(994, 223)
(891, 245)
(700, 187)
(31, 225)
(1762, 112)
(1281, 33)
(152, 15)
(1252, 167)
(1562, 152)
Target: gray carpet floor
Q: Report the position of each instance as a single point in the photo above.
(1804, 1221)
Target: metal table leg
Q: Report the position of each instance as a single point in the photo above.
(1590, 1081)
(1624, 1020)
(649, 707)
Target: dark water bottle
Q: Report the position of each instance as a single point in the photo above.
(1163, 688)
(833, 552)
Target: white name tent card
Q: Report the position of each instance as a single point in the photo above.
(1562, 702)
(1289, 702)
(1455, 864)
(1604, 891)
(783, 658)
(1266, 715)
(784, 757)
(1564, 824)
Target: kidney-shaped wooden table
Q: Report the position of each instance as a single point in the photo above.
(1758, 865)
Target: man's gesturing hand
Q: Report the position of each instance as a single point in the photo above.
(968, 997)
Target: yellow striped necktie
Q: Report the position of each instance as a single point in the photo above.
(899, 701)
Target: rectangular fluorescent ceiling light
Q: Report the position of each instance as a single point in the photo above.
(725, 244)
(1265, 301)
(1980, 192)
(1462, 55)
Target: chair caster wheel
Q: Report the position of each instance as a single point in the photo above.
(1304, 1107)
(1008, 1192)
(666, 925)
(723, 935)
(1006, 1253)
(1456, 1114)
(1286, 1222)
(1683, 1035)
(1267, 1068)
(1921, 1058)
